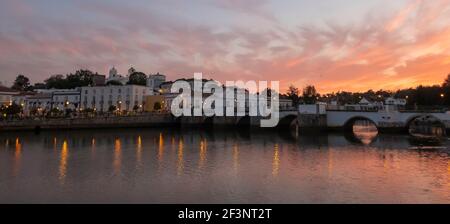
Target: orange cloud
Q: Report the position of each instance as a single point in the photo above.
(408, 48)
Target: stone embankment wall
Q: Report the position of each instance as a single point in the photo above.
(153, 120)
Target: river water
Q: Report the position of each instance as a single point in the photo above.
(217, 166)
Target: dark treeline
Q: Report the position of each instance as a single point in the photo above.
(420, 96)
(72, 80)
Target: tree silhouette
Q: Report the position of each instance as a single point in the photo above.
(138, 78)
(310, 94)
(22, 83)
(114, 83)
(293, 94)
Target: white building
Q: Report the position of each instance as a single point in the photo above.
(115, 76)
(394, 101)
(154, 82)
(66, 99)
(22, 99)
(39, 103)
(123, 98)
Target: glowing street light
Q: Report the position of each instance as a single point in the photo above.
(442, 95)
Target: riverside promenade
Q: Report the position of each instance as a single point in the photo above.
(144, 120)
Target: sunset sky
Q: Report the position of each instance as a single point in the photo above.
(335, 45)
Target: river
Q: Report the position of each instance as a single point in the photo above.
(218, 166)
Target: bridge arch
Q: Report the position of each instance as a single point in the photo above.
(348, 125)
(288, 121)
(434, 121)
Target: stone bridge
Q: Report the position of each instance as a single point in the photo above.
(384, 120)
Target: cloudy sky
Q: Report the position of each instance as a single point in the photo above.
(334, 44)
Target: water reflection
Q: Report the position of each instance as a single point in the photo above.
(180, 161)
(235, 157)
(276, 160)
(63, 162)
(365, 131)
(139, 152)
(427, 127)
(117, 163)
(161, 147)
(185, 166)
(17, 157)
(203, 149)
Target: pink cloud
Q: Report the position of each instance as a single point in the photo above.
(408, 48)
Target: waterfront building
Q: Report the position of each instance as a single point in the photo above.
(156, 103)
(6, 95)
(154, 82)
(39, 103)
(66, 99)
(22, 98)
(122, 98)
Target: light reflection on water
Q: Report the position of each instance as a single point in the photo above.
(365, 131)
(174, 166)
(63, 162)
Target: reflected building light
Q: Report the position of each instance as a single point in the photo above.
(180, 161)
(93, 147)
(63, 162)
(172, 142)
(276, 160)
(55, 143)
(139, 151)
(7, 143)
(235, 157)
(330, 162)
(17, 157)
(160, 147)
(117, 163)
(203, 149)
